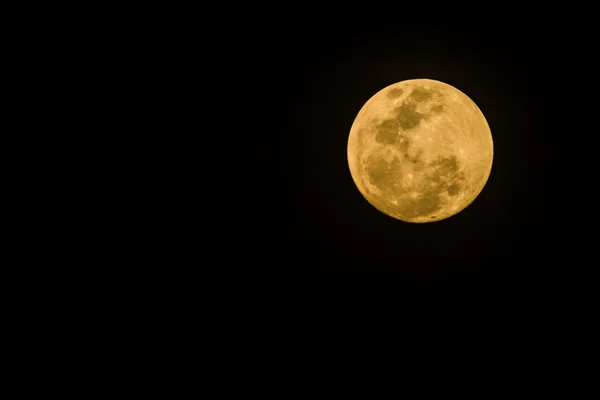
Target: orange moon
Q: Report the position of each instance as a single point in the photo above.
(420, 151)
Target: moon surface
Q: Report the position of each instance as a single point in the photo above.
(420, 151)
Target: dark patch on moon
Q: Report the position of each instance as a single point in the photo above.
(420, 94)
(437, 108)
(445, 175)
(422, 206)
(385, 175)
(395, 93)
(386, 132)
(407, 116)
(453, 189)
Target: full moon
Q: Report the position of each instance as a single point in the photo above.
(420, 151)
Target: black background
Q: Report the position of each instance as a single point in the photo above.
(307, 235)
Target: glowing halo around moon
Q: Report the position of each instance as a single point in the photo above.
(420, 151)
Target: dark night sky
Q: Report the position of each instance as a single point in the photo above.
(313, 238)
